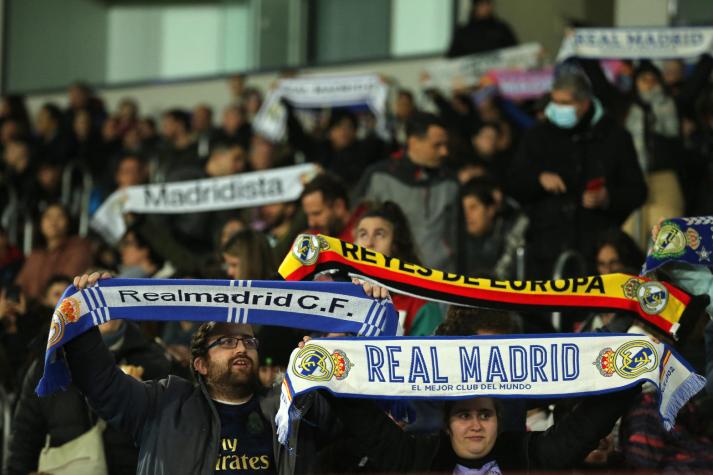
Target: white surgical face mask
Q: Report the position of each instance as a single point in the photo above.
(563, 116)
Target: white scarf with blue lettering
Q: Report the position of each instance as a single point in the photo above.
(633, 43)
(319, 306)
(524, 366)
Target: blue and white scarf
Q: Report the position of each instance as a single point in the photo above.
(318, 306)
(522, 366)
(685, 240)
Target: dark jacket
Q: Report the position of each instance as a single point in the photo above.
(173, 421)
(562, 446)
(347, 163)
(428, 198)
(65, 415)
(595, 149)
(479, 36)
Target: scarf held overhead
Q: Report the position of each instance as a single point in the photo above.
(312, 92)
(532, 366)
(318, 306)
(633, 43)
(445, 74)
(685, 240)
(660, 304)
(244, 190)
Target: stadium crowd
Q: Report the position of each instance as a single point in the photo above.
(469, 181)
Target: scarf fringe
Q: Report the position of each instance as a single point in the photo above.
(693, 384)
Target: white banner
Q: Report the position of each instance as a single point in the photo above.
(244, 190)
(632, 43)
(528, 366)
(468, 70)
(322, 91)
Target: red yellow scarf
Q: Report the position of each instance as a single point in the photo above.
(658, 303)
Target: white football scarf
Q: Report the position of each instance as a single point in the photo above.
(322, 91)
(632, 43)
(468, 70)
(523, 366)
(319, 306)
(243, 190)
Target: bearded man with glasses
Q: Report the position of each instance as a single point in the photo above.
(224, 423)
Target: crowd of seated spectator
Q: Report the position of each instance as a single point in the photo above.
(463, 184)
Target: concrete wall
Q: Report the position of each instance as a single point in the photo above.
(420, 26)
(641, 13)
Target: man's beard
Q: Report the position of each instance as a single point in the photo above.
(226, 383)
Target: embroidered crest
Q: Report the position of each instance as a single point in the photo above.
(635, 358)
(306, 248)
(693, 238)
(314, 363)
(68, 311)
(605, 362)
(652, 297)
(631, 287)
(670, 242)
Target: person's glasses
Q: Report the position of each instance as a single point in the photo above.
(231, 342)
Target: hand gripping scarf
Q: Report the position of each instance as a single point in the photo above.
(319, 306)
(686, 240)
(521, 366)
(658, 303)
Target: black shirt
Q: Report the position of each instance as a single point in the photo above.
(245, 440)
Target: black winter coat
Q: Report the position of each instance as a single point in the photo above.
(65, 415)
(599, 149)
(173, 421)
(562, 446)
(479, 36)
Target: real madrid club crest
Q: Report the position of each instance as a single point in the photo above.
(672, 241)
(307, 246)
(651, 295)
(68, 311)
(317, 364)
(629, 361)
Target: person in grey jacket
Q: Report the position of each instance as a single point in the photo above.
(423, 187)
(224, 424)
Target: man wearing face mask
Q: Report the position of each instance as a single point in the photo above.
(576, 174)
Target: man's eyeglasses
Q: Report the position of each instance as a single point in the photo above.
(231, 342)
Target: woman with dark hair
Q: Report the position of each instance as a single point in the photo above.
(60, 253)
(617, 252)
(472, 441)
(247, 255)
(385, 229)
